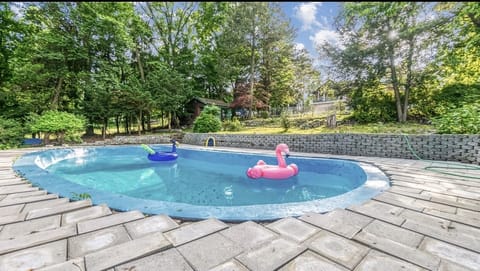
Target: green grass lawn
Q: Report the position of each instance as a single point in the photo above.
(386, 128)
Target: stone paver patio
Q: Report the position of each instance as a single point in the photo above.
(425, 221)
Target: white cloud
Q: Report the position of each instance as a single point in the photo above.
(325, 36)
(299, 46)
(306, 13)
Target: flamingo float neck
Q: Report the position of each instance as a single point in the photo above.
(278, 151)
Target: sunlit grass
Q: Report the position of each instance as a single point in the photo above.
(377, 128)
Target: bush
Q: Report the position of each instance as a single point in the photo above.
(285, 122)
(63, 124)
(208, 121)
(234, 125)
(264, 114)
(372, 105)
(455, 96)
(12, 133)
(463, 120)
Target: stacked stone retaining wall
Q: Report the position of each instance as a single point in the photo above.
(460, 148)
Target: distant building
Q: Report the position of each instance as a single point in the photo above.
(195, 106)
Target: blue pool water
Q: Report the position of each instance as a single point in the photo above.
(201, 183)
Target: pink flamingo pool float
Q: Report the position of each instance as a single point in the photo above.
(277, 172)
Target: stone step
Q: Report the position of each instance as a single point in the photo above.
(156, 223)
(338, 249)
(62, 208)
(128, 251)
(194, 231)
(26, 194)
(44, 204)
(7, 182)
(272, 255)
(30, 226)
(35, 239)
(107, 221)
(17, 189)
(4, 220)
(11, 210)
(339, 221)
(80, 245)
(404, 252)
(77, 264)
(19, 200)
(35, 257)
(85, 214)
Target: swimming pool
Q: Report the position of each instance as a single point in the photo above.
(201, 183)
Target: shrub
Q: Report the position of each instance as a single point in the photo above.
(285, 122)
(11, 133)
(208, 121)
(232, 125)
(264, 114)
(372, 104)
(463, 120)
(63, 124)
(455, 96)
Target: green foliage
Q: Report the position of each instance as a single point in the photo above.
(211, 110)
(208, 121)
(264, 114)
(372, 105)
(64, 124)
(11, 133)
(56, 122)
(386, 42)
(80, 196)
(232, 125)
(285, 122)
(340, 106)
(463, 120)
(456, 95)
(136, 62)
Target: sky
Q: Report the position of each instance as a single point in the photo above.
(313, 22)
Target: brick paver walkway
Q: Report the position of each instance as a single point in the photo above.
(425, 221)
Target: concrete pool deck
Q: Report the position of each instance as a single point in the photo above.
(424, 221)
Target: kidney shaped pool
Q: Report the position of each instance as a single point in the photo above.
(201, 183)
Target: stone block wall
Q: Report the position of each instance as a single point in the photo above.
(460, 148)
(145, 139)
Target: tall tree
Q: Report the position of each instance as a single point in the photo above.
(11, 31)
(388, 42)
(212, 68)
(264, 52)
(307, 78)
(174, 39)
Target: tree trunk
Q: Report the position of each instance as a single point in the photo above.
(60, 138)
(46, 138)
(408, 84)
(117, 124)
(126, 125)
(140, 66)
(149, 125)
(104, 128)
(56, 95)
(140, 117)
(395, 85)
(252, 65)
(89, 131)
(169, 121)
